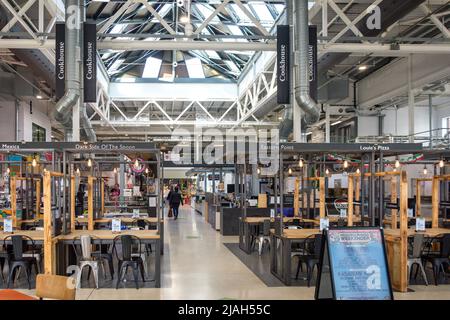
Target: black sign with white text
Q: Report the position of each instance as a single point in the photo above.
(90, 62)
(283, 64)
(60, 67)
(312, 62)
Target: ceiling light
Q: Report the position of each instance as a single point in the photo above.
(300, 163)
(290, 171)
(327, 172)
(78, 171)
(362, 67)
(345, 164)
(425, 170)
(89, 162)
(397, 164)
(184, 19)
(34, 162)
(280, 118)
(39, 97)
(358, 171)
(441, 164)
(258, 171)
(335, 123)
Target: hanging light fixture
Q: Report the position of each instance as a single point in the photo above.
(300, 163)
(345, 164)
(78, 171)
(146, 170)
(425, 170)
(115, 170)
(290, 170)
(136, 163)
(8, 170)
(34, 162)
(327, 172)
(441, 163)
(397, 164)
(358, 171)
(258, 171)
(89, 162)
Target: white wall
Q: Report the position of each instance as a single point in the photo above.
(25, 120)
(396, 121)
(367, 126)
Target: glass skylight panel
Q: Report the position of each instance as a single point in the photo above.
(232, 66)
(115, 65)
(152, 68)
(195, 68)
(212, 54)
(164, 10)
(206, 11)
(279, 8)
(118, 28)
(241, 15)
(263, 12)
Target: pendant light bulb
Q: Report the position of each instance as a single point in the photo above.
(397, 164)
(290, 171)
(327, 172)
(345, 164)
(8, 170)
(425, 170)
(89, 162)
(441, 163)
(258, 171)
(115, 170)
(358, 171)
(300, 163)
(136, 163)
(78, 171)
(34, 162)
(146, 170)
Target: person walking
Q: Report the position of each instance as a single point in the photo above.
(175, 199)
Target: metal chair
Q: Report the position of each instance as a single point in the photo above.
(127, 258)
(85, 258)
(264, 237)
(310, 256)
(440, 258)
(17, 258)
(414, 257)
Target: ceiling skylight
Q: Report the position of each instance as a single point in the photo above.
(195, 68)
(152, 68)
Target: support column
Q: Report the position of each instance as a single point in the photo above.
(122, 179)
(410, 100)
(430, 118)
(255, 180)
(327, 126)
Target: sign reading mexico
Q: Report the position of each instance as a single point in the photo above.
(354, 262)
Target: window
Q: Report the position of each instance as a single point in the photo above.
(39, 133)
(445, 126)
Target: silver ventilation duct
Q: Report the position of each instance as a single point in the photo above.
(304, 100)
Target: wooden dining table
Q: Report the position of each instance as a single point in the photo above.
(9, 294)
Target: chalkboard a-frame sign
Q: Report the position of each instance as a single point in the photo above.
(353, 265)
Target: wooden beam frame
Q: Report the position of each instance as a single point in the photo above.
(296, 194)
(49, 261)
(13, 191)
(72, 203)
(403, 232)
(419, 194)
(321, 194)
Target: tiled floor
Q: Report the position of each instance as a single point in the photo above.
(196, 265)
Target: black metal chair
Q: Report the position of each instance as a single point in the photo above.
(310, 255)
(438, 259)
(17, 258)
(142, 225)
(127, 258)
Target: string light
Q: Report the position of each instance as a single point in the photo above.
(8, 170)
(290, 171)
(146, 170)
(358, 171)
(300, 163)
(441, 163)
(425, 170)
(89, 162)
(115, 170)
(327, 172)
(136, 163)
(34, 162)
(78, 171)
(397, 163)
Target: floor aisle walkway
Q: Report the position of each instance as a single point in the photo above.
(196, 265)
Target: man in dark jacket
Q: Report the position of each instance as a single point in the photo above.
(175, 200)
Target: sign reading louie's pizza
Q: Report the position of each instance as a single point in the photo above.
(353, 265)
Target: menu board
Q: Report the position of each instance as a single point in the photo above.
(354, 265)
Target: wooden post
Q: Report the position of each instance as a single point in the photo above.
(102, 194)
(322, 197)
(403, 232)
(72, 203)
(394, 200)
(262, 200)
(435, 203)
(90, 203)
(12, 187)
(38, 198)
(296, 194)
(418, 200)
(358, 194)
(350, 201)
(48, 250)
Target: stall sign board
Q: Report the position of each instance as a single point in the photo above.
(420, 224)
(343, 213)
(8, 225)
(135, 213)
(116, 225)
(353, 265)
(152, 202)
(128, 192)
